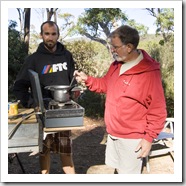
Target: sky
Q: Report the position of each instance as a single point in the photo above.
(138, 14)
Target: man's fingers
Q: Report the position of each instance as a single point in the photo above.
(80, 76)
(143, 154)
(138, 148)
(76, 73)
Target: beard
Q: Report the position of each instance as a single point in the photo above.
(117, 58)
(50, 44)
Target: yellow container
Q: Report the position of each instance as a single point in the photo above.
(13, 109)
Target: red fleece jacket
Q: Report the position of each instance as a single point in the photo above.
(135, 103)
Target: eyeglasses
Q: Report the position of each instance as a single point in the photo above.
(115, 47)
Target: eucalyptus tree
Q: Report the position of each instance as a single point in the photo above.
(164, 21)
(68, 25)
(97, 23)
(50, 13)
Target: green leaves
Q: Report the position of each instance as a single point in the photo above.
(142, 29)
(164, 21)
(16, 53)
(97, 23)
(92, 57)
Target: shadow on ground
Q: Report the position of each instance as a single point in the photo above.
(88, 151)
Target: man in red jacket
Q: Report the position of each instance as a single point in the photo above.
(135, 108)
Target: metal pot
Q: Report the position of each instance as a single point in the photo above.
(63, 93)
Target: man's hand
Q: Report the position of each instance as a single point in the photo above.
(81, 77)
(145, 147)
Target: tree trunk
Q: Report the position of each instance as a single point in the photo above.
(55, 17)
(50, 13)
(27, 28)
(21, 18)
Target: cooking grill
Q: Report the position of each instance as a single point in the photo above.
(56, 114)
(69, 109)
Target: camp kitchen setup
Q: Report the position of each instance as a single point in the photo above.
(29, 127)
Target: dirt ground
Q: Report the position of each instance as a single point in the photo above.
(88, 154)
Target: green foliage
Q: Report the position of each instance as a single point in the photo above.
(167, 63)
(16, 53)
(34, 40)
(89, 56)
(153, 48)
(102, 59)
(142, 29)
(83, 54)
(93, 103)
(96, 18)
(68, 26)
(164, 22)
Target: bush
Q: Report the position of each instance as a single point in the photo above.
(93, 103)
(92, 57)
(16, 55)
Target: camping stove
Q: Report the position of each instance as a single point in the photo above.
(67, 114)
(55, 114)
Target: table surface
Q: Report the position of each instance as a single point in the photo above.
(33, 119)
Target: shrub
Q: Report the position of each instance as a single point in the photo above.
(93, 103)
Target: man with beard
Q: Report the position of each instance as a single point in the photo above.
(55, 66)
(135, 109)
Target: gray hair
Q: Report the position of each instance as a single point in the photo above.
(127, 35)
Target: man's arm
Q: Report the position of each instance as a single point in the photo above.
(21, 91)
